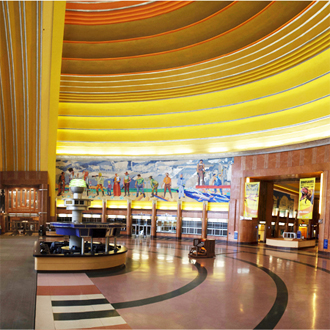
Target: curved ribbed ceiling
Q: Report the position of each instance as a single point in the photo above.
(174, 77)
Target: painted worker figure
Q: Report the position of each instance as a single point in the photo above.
(71, 174)
(86, 179)
(61, 184)
(100, 182)
(127, 181)
(167, 185)
(116, 185)
(154, 186)
(139, 184)
(200, 173)
(109, 188)
(181, 184)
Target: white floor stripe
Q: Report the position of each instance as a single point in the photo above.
(77, 297)
(44, 315)
(78, 324)
(89, 308)
(116, 320)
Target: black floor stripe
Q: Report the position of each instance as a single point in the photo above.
(88, 302)
(202, 274)
(84, 315)
(281, 301)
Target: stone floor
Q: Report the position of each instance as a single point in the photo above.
(245, 287)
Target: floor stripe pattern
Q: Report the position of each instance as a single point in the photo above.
(72, 301)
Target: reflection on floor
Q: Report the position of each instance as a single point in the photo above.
(161, 288)
(244, 287)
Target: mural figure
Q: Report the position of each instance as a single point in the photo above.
(139, 184)
(167, 185)
(218, 182)
(71, 174)
(86, 179)
(127, 181)
(200, 173)
(100, 182)
(116, 185)
(154, 186)
(61, 184)
(181, 184)
(109, 188)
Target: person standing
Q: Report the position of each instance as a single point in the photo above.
(167, 185)
(116, 185)
(181, 184)
(100, 182)
(109, 188)
(71, 174)
(61, 184)
(86, 179)
(154, 186)
(127, 181)
(139, 184)
(200, 173)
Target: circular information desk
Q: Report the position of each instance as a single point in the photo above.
(52, 255)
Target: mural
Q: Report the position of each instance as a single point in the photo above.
(165, 180)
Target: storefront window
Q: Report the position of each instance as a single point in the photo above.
(18, 198)
(166, 224)
(32, 198)
(23, 197)
(192, 226)
(217, 227)
(14, 199)
(27, 203)
(36, 199)
(9, 199)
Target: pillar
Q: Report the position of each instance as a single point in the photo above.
(104, 210)
(153, 218)
(204, 219)
(287, 222)
(179, 220)
(129, 218)
(43, 203)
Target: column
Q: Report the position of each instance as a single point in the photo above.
(204, 219)
(43, 203)
(104, 210)
(153, 218)
(179, 220)
(287, 221)
(129, 218)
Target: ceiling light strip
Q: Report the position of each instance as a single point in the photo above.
(195, 125)
(204, 109)
(214, 137)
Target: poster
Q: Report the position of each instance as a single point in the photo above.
(251, 199)
(306, 198)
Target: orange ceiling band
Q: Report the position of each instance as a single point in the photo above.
(106, 5)
(127, 18)
(155, 35)
(172, 50)
(185, 66)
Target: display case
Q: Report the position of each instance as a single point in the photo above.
(192, 226)
(166, 224)
(217, 227)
